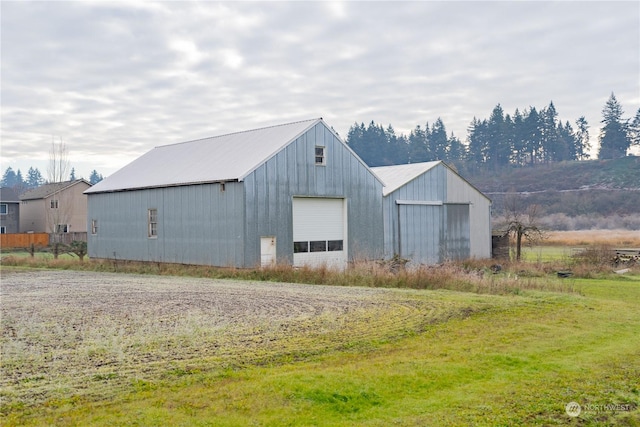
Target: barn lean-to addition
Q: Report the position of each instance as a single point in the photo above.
(294, 193)
(432, 214)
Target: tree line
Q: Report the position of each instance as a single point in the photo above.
(34, 179)
(527, 137)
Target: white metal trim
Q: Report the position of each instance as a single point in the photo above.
(420, 202)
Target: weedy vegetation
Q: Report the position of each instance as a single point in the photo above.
(118, 343)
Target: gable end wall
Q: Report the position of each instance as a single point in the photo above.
(292, 172)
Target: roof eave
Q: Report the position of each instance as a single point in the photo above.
(151, 187)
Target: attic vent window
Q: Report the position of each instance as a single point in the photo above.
(320, 157)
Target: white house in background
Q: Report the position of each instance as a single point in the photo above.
(432, 214)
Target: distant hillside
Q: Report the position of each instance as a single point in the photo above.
(587, 190)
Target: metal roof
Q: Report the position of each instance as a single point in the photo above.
(46, 190)
(396, 176)
(228, 157)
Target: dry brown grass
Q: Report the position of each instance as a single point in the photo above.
(616, 238)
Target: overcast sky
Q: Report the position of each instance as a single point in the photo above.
(115, 79)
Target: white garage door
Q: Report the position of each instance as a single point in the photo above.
(319, 232)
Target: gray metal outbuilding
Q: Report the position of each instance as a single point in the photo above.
(432, 214)
(293, 193)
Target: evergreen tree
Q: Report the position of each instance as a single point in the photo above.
(498, 149)
(634, 129)
(549, 139)
(20, 185)
(438, 141)
(397, 147)
(418, 151)
(72, 176)
(582, 139)
(9, 179)
(34, 178)
(478, 140)
(509, 142)
(374, 154)
(518, 147)
(457, 152)
(533, 135)
(565, 143)
(355, 138)
(614, 138)
(95, 177)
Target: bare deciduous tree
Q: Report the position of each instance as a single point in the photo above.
(59, 204)
(58, 169)
(522, 221)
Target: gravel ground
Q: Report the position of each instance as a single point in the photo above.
(83, 333)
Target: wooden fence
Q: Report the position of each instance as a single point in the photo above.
(23, 240)
(67, 238)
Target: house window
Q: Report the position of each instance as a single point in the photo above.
(3, 209)
(153, 222)
(320, 158)
(62, 228)
(3, 230)
(54, 203)
(94, 226)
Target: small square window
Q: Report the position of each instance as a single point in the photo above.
(3, 209)
(334, 245)
(54, 204)
(94, 226)
(3, 230)
(320, 156)
(299, 247)
(318, 246)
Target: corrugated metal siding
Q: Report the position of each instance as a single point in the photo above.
(456, 236)
(429, 187)
(463, 226)
(420, 233)
(292, 172)
(460, 191)
(197, 224)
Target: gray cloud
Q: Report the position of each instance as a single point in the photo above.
(114, 80)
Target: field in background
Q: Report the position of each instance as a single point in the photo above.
(578, 238)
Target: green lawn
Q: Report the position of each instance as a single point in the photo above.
(39, 255)
(518, 361)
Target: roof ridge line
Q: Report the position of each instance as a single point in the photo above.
(239, 132)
